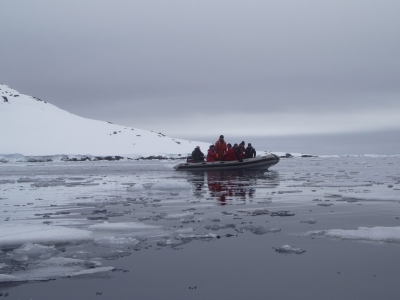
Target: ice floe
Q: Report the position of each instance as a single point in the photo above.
(254, 211)
(184, 230)
(377, 198)
(283, 213)
(218, 227)
(90, 271)
(338, 184)
(122, 227)
(112, 241)
(286, 249)
(66, 261)
(136, 188)
(375, 234)
(9, 278)
(171, 185)
(179, 216)
(309, 221)
(33, 251)
(12, 235)
(259, 230)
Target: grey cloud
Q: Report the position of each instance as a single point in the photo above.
(147, 63)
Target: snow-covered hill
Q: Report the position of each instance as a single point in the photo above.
(30, 126)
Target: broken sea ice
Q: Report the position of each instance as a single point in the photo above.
(286, 249)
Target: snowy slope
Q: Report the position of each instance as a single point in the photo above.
(30, 126)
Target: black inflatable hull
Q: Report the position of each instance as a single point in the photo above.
(249, 163)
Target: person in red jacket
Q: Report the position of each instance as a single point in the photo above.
(220, 148)
(211, 155)
(230, 154)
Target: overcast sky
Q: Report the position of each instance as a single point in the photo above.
(202, 68)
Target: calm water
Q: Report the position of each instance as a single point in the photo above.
(180, 235)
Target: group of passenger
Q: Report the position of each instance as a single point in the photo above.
(222, 151)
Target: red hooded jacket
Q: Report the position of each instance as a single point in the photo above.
(211, 155)
(220, 148)
(230, 155)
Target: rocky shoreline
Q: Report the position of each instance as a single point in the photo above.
(77, 158)
(17, 158)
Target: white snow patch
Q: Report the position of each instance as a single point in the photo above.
(36, 127)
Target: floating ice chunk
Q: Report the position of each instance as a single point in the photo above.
(188, 220)
(380, 198)
(20, 257)
(5, 181)
(198, 236)
(339, 184)
(106, 254)
(48, 183)
(172, 243)
(184, 230)
(90, 271)
(376, 234)
(66, 261)
(111, 241)
(289, 250)
(283, 213)
(289, 192)
(171, 185)
(266, 201)
(136, 188)
(27, 179)
(179, 216)
(309, 221)
(255, 211)
(46, 272)
(206, 236)
(33, 251)
(218, 227)
(12, 235)
(122, 227)
(9, 278)
(213, 227)
(259, 230)
(111, 214)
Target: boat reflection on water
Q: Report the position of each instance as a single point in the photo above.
(234, 185)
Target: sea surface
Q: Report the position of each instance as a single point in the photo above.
(308, 228)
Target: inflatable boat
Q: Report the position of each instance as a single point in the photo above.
(257, 162)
